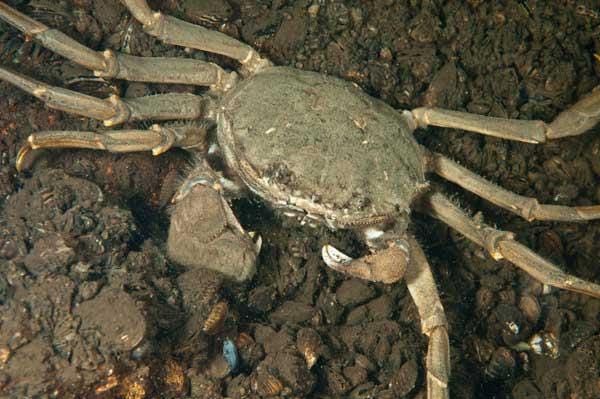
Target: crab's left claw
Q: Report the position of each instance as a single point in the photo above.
(205, 233)
(386, 265)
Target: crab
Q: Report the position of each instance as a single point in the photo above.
(315, 148)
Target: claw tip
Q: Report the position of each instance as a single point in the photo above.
(334, 257)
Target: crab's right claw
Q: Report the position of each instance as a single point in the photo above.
(387, 265)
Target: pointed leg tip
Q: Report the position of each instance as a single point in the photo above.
(21, 162)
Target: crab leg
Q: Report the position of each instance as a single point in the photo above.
(422, 288)
(175, 31)
(109, 64)
(527, 207)
(112, 110)
(571, 122)
(52, 39)
(502, 245)
(157, 139)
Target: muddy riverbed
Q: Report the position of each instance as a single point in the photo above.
(82, 233)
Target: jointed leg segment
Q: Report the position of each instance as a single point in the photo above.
(571, 122)
(113, 110)
(167, 70)
(109, 64)
(54, 39)
(527, 207)
(501, 245)
(175, 31)
(423, 290)
(157, 139)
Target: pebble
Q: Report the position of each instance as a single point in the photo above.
(230, 354)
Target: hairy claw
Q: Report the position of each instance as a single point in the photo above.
(386, 265)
